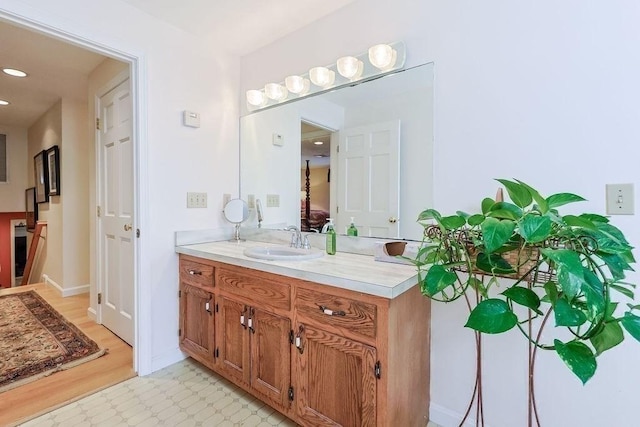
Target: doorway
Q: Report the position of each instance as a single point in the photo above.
(141, 342)
(315, 176)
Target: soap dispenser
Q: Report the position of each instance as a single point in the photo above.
(352, 230)
(331, 238)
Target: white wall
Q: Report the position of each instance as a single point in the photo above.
(178, 72)
(542, 91)
(12, 193)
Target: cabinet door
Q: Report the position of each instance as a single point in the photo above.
(233, 339)
(271, 356)
(196, 322)
(335, 377)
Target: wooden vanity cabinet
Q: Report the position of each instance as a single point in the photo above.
(321, 355)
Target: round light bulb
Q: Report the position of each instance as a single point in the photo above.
(382, 56)
(297, 84)
(276, 91)
(3, 102)
(350, 67)
(322, 76)
(14, 72)
(256, 98)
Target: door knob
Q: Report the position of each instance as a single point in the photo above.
(393, 219)
(127, 227)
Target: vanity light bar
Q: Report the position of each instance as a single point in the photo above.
(378, 60)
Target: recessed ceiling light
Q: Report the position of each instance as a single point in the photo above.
(3, 102)
(13, 72)
(318, 142)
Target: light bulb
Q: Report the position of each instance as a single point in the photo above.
(322, 76)
(276, 91)
(3, 102)
(298, 85)
(350, 67)
(14, 72)
(256, 98)
(382, 56)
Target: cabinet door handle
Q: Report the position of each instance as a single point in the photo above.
(195, 272)
(252, 312)
(298, 340)
(242, 317)
(207, 306)
(330, 312)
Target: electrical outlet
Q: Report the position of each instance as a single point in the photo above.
(196, 200)
(273, 200)
(251, 201)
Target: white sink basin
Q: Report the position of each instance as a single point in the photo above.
(282, 253)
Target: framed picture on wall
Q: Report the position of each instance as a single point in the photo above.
(31, 208)
(53, 170)
(41, 176)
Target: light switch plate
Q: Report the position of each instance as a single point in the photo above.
(191, 119)
(278, 139)
(620, 199)
(273, 200)
(251, 201)
(196, 200)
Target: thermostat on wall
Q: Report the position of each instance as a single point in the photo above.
(191, 119)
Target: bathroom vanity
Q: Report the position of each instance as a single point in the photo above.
(337, 340)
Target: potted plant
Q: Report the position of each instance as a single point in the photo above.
(565, 271)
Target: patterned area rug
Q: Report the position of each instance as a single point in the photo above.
(36, 341)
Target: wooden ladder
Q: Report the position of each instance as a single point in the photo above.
(32, 251)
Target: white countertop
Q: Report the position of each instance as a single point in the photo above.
(358, 273)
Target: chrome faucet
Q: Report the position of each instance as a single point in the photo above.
(297, 240)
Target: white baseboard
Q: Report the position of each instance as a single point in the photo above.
(445, 417)
(92, 314)
(166, 359)
(66, 292)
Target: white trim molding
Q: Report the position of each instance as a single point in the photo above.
(65, 292)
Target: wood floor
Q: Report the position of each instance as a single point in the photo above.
(48, 393)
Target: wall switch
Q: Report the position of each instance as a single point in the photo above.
(196, 200)
(278, 139)
(225, 199)
(191, 119)
(251, 201)
(620, 199)
(273, 200)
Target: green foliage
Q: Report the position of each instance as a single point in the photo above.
(570, 267)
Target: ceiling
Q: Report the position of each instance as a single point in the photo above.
(243, 25)
(55, 67)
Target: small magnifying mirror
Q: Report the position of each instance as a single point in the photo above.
(236, 212)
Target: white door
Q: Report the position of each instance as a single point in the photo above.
(116, 204)
(368, 171)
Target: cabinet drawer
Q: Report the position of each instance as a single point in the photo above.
(351, 315)
(257, 289)
(195, 273)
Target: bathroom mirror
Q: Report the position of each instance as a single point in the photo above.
(276, 143)
(236, 212)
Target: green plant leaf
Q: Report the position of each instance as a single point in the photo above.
(496, 233)
(566, 315)
(477, 284)
(624, 291)
(540, 201)
(633, 307)
(610, 309)
(561, 199)
(535, 228)
(452, 222)
(593, 291)
(578, 357)
(492, 316)
(487, 203)
(551, 290)
(429, 214)
(631, 323)
(493, 264)
(576, 221)
(476, 219)
(463, 214)
(505, 210)
(570, 273)
(616, 263)
(523, 296)
(438, 278)
(595, 217)
(518, 193)
(610, 336)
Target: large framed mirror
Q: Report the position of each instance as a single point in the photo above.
(363, 151)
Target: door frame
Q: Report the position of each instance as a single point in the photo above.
(76, 33)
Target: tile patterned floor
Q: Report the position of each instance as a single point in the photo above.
(182, 395)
